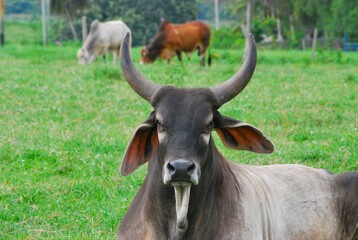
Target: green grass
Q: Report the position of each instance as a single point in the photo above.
(64, 128)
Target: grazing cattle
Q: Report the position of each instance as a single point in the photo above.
(192, 192)
(173, 39)
(103, 37)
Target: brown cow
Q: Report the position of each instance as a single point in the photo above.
(191, 192)
(171, 39)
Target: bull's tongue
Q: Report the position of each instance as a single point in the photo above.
(182, 195)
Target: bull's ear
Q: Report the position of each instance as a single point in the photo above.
(142, 146)
(242, 136)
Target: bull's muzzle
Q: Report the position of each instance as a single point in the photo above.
(180, 172)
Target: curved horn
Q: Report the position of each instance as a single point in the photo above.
(145, 88)
(232, 87)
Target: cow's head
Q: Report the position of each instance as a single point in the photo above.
(145, 57)
(84, 57)
(152, 51)
(177, 133)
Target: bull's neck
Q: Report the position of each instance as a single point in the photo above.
(207, 199)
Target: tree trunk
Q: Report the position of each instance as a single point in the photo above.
(293, 36)
(244, 30)
(272, 9)
(279, 32)
(248, 16)
(70, 22)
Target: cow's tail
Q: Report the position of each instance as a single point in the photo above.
(209, 57)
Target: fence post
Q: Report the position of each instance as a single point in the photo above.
(2, 10)
(84, 29)
(314, 43)
(43, 14)
(303, 41)
(217, 23)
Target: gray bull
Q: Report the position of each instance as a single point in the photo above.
(104, 37)
(192, 192)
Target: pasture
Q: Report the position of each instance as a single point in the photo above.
(64, 128)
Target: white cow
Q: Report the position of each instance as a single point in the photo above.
(103, 37)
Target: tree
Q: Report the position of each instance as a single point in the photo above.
(69, 8)
(310, 14)
(343, 17)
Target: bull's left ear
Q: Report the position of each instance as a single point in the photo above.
(141, 147)
(242, 136)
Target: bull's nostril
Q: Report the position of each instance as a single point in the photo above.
(191, 168)
(171, 168)
(180, 170)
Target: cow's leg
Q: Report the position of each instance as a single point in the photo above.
(105, 52)
(116, 55)
(202, 56)
(104, 57)
(178, 52)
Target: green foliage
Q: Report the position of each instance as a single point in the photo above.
(331, 57)
(266, 27)
(343, 18)
(142, 17)
(257, 29)
(23, 33)
(226, 38)
(331, 17)
(63, 7)
(269, 26)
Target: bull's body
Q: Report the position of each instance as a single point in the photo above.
(192, 192)
(173, 39)
(278, 202)
(104, 37)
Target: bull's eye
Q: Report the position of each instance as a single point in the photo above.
(160, 126)
(209, 128)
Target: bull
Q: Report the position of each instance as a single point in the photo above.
(173, 39)
(192, 192)
(103, 38)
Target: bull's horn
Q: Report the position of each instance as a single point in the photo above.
(145, 88)
(232, 87)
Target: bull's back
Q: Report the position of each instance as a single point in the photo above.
(288, 202)
(113, 32)
(192, 35)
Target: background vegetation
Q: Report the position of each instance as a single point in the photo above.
(64, 127)
(298, 18)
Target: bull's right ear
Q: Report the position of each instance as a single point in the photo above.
(142, 146)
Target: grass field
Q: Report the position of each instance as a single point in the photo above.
(64, 128)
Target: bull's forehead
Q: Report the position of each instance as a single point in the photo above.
(185, 105)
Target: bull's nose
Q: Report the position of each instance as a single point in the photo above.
(180, 171)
